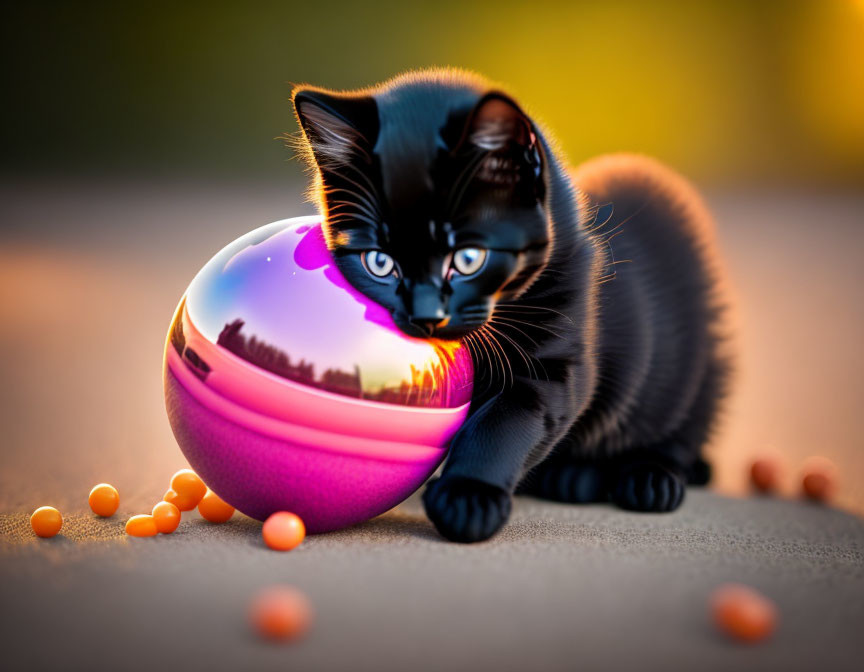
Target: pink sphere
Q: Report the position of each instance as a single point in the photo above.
(288, 390)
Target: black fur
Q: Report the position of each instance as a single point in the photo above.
(594, 322)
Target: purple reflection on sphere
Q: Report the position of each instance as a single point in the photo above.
(289, 390)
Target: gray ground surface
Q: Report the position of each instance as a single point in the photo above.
(90, 274)
(563, 588)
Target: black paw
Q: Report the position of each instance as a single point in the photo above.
(571, 482)
(466, 510)
(647, 486)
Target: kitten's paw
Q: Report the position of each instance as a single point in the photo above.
(647, 486)
(466, 510)
(571, 482)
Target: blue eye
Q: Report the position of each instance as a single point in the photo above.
(378, 263)
(468, 260)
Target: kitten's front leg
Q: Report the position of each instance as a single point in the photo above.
(472, 499)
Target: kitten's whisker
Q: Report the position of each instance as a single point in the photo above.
(617, 228)
(500, 355)
(492, 360)
(614, 235)
(508, 323)
(466, 339)
(487, 356)
(505, 318)
(472, 346)
(530, 307)
(608, 235)
(520, 350)
(535, 358)
(482, 342)
(594, 226)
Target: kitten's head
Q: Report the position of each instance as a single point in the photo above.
(432, 190)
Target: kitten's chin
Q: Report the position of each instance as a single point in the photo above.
(451, 333)
(448, 333)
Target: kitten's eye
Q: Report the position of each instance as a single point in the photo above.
(378, 263)
(468, 260)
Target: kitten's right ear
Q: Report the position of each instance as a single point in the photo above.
(337, 127)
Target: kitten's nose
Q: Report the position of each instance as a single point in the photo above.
(425, 307)
(426, 324)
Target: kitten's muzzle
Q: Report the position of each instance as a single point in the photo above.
(427, 325)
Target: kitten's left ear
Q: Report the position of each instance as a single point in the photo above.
(338, 127)
(497, 122)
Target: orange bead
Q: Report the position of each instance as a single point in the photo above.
(104, 500)
(212, 508)
(46, 521)
(189, 487)
(182, 503)
(281, 613)
(819, 479)
(742, 613)
(765, 474)
(166, 516)
(283, 531)
(141, 526)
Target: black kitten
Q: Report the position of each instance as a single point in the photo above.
(589, 301)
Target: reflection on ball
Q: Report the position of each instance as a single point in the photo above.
(288, 390)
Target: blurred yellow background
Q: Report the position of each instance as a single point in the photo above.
(724, 90)
(139, 138)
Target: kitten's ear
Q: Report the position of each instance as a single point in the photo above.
(500, 129)
(338, 128)
(497, 122)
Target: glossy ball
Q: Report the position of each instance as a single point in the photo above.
(104, 500)
(281, 613)
(141, 526)
(743, 613)
(288, 390)
(166, 516)
(283, 531)
(212, 508)
(46, 521)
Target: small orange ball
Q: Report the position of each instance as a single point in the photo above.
(212, 508)
(819, 479)
(765, 474)
(281, 613)
(742, 613)
(141, 526)
(166, 516)
(182, 503)
(189, 488)
(283, 531)
(104, 500)
(46, 521)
